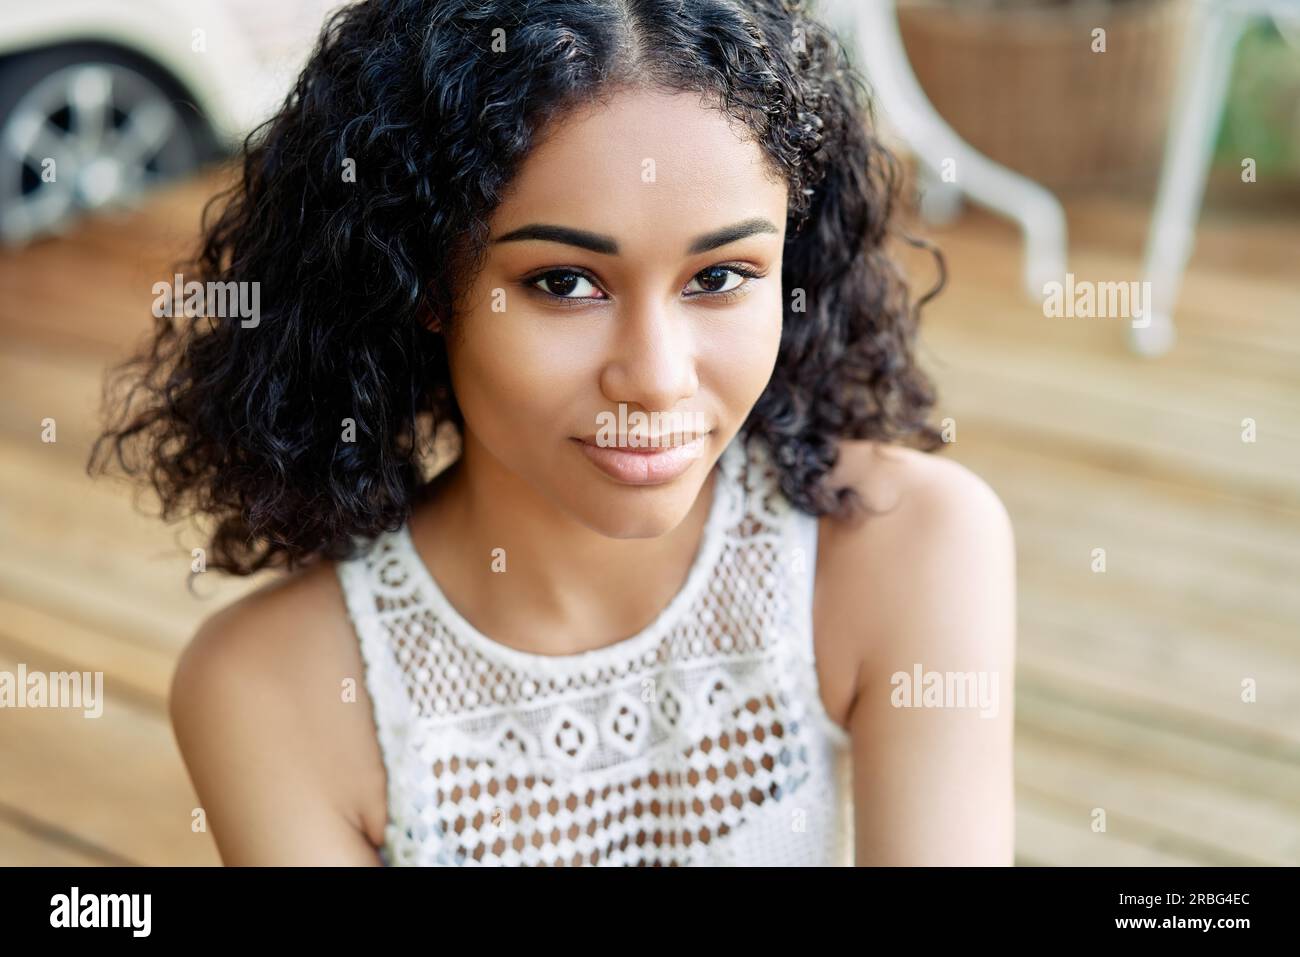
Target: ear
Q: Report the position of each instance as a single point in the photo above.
(427, 318)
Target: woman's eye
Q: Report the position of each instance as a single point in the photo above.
(564, 282)
(715, 279)
(576, 286)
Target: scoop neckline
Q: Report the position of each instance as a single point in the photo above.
(726, 489)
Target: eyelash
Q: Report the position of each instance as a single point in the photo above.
(568, 302)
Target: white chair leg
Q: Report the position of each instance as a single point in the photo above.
(940, 202)
(1194, 122)
(900, 97)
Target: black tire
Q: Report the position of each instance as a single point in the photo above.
(29, 87)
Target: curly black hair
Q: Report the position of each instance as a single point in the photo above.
(359, 280)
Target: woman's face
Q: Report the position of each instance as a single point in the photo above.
(634, 267)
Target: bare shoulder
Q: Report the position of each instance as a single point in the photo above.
(937, 546)
(921, 595)
(888, 475)
(286, 765)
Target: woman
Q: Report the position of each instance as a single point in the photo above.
(632, 254)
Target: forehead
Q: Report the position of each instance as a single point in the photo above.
(644, 166)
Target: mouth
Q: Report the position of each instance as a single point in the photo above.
(640, 442)
(645, 460)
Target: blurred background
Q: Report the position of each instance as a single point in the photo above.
(1153, 473)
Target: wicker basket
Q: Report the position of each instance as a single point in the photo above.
(1022, 85)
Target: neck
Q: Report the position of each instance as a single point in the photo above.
(526, 573)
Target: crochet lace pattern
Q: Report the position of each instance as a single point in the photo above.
(700, 740)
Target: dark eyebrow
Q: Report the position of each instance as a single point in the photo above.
(562, 234)
(608, 246)
(729, 234)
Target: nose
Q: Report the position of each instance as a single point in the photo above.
(653, 359)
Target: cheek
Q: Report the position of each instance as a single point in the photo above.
(742, 350)
(515, 368)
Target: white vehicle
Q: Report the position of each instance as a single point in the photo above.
(102, 99)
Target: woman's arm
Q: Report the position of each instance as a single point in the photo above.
(936, 596)
(257, 748)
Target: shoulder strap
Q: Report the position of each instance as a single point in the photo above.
(360, 579)
(801, 533)
(795, 542)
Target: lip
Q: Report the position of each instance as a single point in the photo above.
(642, 464)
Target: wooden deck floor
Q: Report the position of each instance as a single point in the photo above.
(1129, 681)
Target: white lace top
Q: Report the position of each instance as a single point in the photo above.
(700, 740)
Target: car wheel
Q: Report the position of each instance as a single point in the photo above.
(85, 130)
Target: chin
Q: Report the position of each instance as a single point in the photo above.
(633, 511)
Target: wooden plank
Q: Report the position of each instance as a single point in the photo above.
(27, 843)
(115, 782)
(1176, 548)
(1199, 819)
(1179, 579)
(48, 381)
(1121, 424)
(1047, 837)
(1234, 327)
(1192, 682)
(141, 672)
(78, 545)
(109, 304)
(1103, 720)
